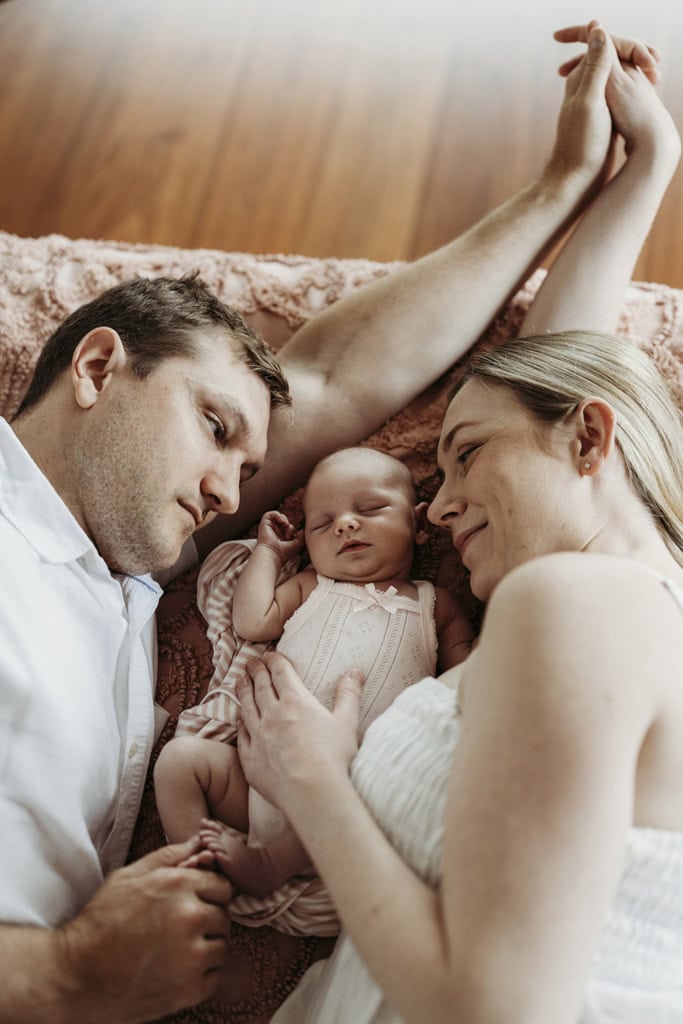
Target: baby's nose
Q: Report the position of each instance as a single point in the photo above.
(346, 521)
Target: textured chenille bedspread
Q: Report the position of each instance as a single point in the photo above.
(43, 279)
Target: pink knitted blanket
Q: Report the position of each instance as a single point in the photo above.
(44, 279)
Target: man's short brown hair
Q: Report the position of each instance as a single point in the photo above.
(156, 319)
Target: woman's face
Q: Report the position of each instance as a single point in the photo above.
(508, 484)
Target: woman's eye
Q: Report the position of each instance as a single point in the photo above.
(465, 454)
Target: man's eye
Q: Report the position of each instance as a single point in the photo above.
(217, 427)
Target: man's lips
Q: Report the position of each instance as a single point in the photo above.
(353, 545)
(462, 538)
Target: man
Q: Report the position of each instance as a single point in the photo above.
(128, 435)
(113, 460)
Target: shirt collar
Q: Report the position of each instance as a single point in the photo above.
(29, 501)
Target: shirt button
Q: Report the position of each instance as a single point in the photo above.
(133, 750)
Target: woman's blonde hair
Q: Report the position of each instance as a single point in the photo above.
(552, 373)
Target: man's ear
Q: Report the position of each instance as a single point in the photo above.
(97, 357)
(596, 423)
(421, 532)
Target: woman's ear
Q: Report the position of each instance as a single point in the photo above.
(97, 357)
(421, 531)
(596, 423)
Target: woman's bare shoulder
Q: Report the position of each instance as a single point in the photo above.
(609, 621)
(596, 581)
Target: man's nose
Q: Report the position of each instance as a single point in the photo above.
(221, 488)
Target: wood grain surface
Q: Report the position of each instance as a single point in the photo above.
(377, 128)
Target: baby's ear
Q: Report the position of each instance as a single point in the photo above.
(421, 532)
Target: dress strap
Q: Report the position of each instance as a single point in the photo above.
(673, 586)
(676, 591)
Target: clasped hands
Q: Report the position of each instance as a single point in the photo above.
(609, 90)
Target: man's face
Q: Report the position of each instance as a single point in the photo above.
(157, 454)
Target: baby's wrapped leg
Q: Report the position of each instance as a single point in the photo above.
(195, 778)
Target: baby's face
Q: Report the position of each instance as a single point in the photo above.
(360, 522)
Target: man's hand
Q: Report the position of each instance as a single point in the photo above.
(151, 941)
(584, 129)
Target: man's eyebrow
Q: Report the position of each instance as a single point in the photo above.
(448, 439)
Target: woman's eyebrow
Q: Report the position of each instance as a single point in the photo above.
(448, 439)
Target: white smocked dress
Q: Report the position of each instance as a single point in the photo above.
(402, 771)
(392, 639)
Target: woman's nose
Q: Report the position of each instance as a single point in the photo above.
(444, 506)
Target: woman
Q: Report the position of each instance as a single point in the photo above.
(509, 843)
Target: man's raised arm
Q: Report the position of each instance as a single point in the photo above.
(358, 362)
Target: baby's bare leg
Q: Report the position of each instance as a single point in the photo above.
(255, 870)
(195, 778)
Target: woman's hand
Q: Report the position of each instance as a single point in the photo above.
(639, 115)
(287, 740)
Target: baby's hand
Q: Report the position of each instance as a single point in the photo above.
(277, 533)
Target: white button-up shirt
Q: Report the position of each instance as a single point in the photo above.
(77, 673)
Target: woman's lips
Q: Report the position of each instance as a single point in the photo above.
(463, 539)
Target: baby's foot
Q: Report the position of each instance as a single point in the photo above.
(201, 859)
(251, 869)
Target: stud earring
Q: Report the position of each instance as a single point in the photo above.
(586, 465)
